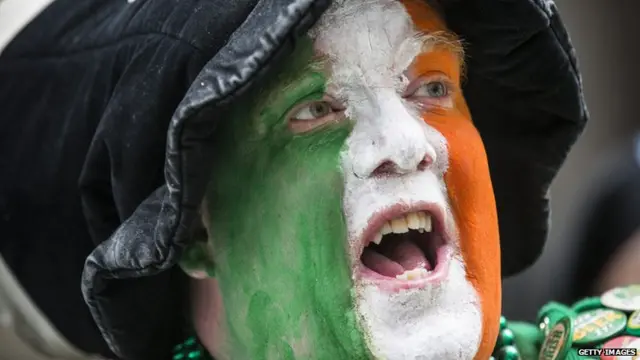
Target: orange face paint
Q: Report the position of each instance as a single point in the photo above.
(467, 179)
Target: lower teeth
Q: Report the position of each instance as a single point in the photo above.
(414, 274)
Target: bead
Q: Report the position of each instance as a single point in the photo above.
(179, 356)
(506, 337)
(190, 341)
(194, 354)
(505, 344)
(503, 322)
(509, 353)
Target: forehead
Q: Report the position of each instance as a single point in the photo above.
(351, 29)
(376, 40)
(366, 38)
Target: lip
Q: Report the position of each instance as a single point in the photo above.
(377, 220)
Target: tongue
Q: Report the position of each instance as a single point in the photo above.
(394, 257)
(380, 263)
(406, 253)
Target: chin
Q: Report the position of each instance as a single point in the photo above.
(438, 321)
(411, 291)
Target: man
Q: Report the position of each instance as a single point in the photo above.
(341, 241)
(332, 202)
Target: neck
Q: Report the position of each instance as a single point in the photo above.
(207, 344)
(209, 317)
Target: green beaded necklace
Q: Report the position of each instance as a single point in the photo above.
(190, 349)
(505, 348)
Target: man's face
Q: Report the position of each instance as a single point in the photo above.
(350, 212)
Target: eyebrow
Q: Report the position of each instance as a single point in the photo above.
(443, 40)
(319, 62)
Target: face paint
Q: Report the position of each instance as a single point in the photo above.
(371, 46)
(277, 228)
(468, 183)
(291, 217)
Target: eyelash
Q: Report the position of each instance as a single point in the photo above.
(298, 125)
(428, 79)
(443, 102)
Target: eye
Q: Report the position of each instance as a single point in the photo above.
(434, 89)
(313, 111)
(312, 114)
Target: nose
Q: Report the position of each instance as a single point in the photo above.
(393, 148)
(390, 167)
(390, 140)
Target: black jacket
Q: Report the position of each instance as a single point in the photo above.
(105, 111)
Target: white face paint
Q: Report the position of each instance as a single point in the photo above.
(370, 44)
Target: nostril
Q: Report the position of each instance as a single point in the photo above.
(425, 163)
(385, 168)
(390, 167)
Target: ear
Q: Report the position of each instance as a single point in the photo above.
(197, 259)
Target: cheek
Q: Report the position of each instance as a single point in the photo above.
(472, 200)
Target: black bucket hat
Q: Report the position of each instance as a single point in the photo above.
(522, 86)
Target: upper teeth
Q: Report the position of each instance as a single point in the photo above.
(419, 220)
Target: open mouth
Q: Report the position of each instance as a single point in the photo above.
(405, 249)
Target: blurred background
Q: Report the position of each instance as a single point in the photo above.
(605, 35)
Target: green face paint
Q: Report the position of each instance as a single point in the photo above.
(277, 225)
